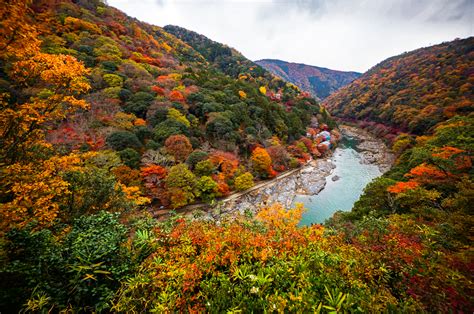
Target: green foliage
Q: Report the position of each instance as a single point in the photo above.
(244, 181)
(168, 128)
(160, 115)
(204, 168)
(207, 189)
(130, 157)
(97, 258)
(107, 48)
(220, 127)
(457, 132)
(143, 133)
(105, 159)
(113, 80)
(177, 116)
(123, 139)
(402, 142)
(138, 104)
(181, 184)
(92, 191)
(80, 270)
(111, 92)
(195, 157)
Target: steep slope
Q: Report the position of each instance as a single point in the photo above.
(225, 58)
(86, 145)
(427, 92)
(146, 85)
(413, 91)
(320, 82)
(101, 113)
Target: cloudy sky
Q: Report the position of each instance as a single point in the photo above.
(337, 34)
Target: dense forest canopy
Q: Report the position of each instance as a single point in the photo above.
(105, 118)
(414, 91)
(151, 99)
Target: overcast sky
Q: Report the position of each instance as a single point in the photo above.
(337, 34)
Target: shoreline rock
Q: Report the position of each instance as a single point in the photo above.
(311, 179)
(371, 149)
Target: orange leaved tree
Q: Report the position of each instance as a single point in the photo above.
(179, 146)
(46, 89)
(262, 162)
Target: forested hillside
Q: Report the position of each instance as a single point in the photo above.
(320, 82)
(104, 118)
(104, 114)
(152, 100)
(414, 91)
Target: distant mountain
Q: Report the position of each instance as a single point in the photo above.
(413, 91)
(320, 82)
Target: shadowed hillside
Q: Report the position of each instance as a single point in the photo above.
(320, 82)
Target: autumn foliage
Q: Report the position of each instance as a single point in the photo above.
(413, 91)
(179, 146)
(262, 162)
(99, 115)
(401, 187)
(225, 162)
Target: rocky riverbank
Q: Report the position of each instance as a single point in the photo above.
(371, 149)
(309, 180)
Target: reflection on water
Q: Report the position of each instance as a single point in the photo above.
(343, 193)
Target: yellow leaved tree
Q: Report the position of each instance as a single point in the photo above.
(44, 89)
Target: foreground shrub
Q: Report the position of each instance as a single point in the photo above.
(269, 264)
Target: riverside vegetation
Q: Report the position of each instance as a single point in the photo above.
(104, 117)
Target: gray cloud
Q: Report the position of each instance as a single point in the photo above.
(338, 34)
(436, 10)
(428, 10)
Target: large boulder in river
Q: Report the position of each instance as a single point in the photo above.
(313, 179)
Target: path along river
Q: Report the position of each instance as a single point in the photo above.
(358, 159)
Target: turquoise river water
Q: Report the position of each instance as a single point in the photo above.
(343, 193)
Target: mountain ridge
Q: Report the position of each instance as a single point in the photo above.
(412, 91)
(318, 81)
(105, 118)
(306, 64)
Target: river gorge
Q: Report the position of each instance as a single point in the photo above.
(343, 186)
(324, 185)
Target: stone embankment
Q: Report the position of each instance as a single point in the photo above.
(308, 180)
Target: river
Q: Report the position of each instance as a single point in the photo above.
(311, 185)
(344, 192)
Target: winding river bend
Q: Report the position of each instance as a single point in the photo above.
(359, 158)
(343, 186)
